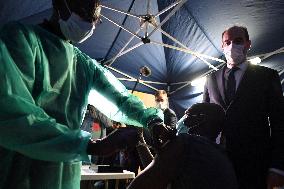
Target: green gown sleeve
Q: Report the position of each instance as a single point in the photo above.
(25, 127)
(126, 108)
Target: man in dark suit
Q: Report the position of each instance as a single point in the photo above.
(253, 100)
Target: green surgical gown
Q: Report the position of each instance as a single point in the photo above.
(44, 87)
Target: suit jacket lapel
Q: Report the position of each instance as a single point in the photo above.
(221, 84)
(244, 82)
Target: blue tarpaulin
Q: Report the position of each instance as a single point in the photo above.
(197, 24)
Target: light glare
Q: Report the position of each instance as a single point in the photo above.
(199, 82)
(102, 104)
(255, 60)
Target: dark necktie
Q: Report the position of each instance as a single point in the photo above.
(231, 85)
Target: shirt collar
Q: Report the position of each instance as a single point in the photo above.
(242, 67)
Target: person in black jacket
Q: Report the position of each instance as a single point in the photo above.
(162, 102)
(253, 99)
(191, 160)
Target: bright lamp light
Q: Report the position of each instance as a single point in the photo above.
(199, 82)
(255, 60)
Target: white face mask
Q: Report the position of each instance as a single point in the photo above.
(234, 54)
(76, 29)
(162, 105)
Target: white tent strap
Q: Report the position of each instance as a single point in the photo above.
(188, 51)
(120, 53)
(203, 75)
(182, 45)
(281, 72)
(180, 88)
(282, 81)
(148, 82)
(139, 37)
(148, 6)
(124, 52)
(267, 55)
(186, 83)
(120, 72)
(149, 86)
(120, 11)
(168, 16)
(167, 8)
(126, 75)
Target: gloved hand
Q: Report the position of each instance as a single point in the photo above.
(119, 139)
(160, 133)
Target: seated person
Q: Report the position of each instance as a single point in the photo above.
(95, 122)
(127, 159)
(191, 160)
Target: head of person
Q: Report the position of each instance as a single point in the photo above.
(92, 110)
(161, 99)
(76, 18)
(205, 119)
(235, 45)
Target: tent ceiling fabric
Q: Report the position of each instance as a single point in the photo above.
(197, 24)
(17, 10)
(263, 19)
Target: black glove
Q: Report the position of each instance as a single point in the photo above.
(160, 133)
(119, 139)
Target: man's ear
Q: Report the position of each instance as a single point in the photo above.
(248, 44)
(222, 46)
